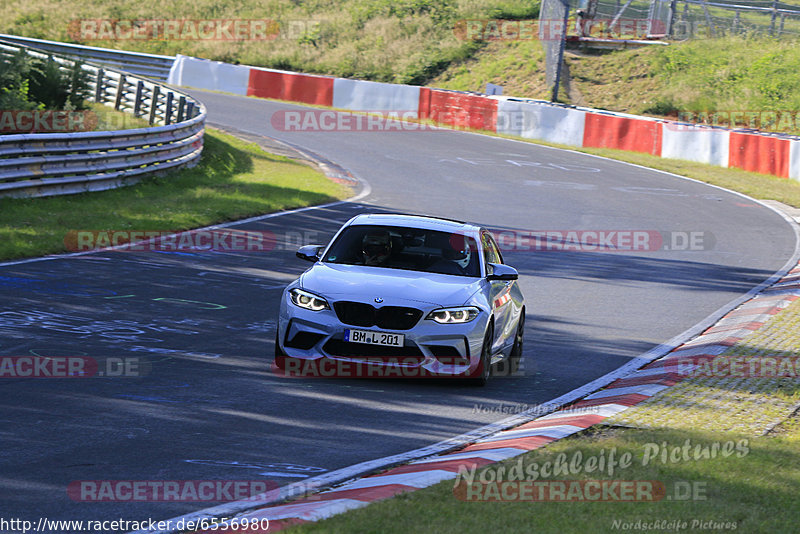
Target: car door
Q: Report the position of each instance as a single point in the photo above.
(500, 295)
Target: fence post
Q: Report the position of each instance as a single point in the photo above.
(709, 20)
(168, 109)
(120, 92)
(154, 104)
(137, 101)
(98, 87)
(773, 17)
(181, 108)
(671, 17)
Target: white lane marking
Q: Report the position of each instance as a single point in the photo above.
(489, 454)
(555, 431)
(419, 479)
(645, 389)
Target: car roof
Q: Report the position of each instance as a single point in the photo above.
(414, 221)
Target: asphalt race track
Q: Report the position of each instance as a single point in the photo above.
(202, 324)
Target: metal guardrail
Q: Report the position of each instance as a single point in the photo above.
(150, 65)
(44, 164)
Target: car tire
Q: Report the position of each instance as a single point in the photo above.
(280, 356)
(481, 375)
(515, 357)
(510, 365)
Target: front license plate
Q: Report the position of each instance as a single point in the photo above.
(369, 337)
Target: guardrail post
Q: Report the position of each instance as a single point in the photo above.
(137, 102)
(190, 110)
(671, 17)
(181, 108)
(98, 88)
(120, 92)
(773, 17)
(168, 109)
(154, 104)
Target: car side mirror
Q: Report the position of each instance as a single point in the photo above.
(498, 271)
(310, 252)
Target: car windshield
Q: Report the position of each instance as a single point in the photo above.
(411, 249)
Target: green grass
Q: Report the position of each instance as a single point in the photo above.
(234, 180)
(755, 488)
(518, 66)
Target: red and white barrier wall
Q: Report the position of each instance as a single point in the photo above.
(212, 75)
(282, 85)
(358, 95)
(537, 121)
(604, 130)
(578, 127)
(700, 144)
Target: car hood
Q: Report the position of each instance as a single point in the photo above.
(364, 284)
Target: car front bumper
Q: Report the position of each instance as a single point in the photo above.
(313, 344)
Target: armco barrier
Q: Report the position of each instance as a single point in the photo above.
(281, 85)
(151, 65)
(461, 110)
(623, 133)
(760, 153)
(45, 164)
(212, 75)
(537, 121)
(695, 143)
(358, 95)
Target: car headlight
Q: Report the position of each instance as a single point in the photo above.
(307, 300)
(463, 314)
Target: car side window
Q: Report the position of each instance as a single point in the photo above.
(490, 252)
(495, 248)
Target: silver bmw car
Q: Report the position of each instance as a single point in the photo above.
(402, 296)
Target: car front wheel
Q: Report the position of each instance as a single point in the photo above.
(481, 375)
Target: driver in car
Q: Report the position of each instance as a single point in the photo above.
(456, 256)
(376, 247)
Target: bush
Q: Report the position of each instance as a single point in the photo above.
(29, 83)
